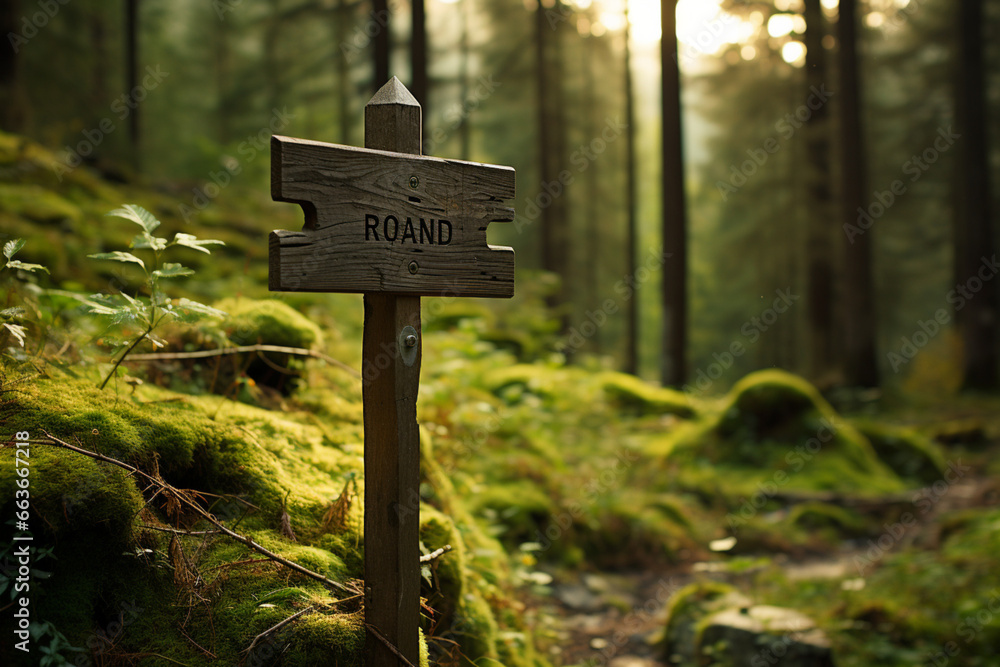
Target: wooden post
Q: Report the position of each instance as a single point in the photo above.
(393, 225)
(392, 441)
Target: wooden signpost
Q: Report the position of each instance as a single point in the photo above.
(386, 222)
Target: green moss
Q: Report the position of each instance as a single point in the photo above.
(632, 394)
(910, 455)
(686, 608)
(816, 516)
(476, 628)
(526, 377)
(775, 429)
(38, 204)
(327, 639)
(437, 531)
(269, 322)
(519, 505)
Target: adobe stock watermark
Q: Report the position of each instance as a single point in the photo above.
(364, 34)
(609, 478)
(248, 150)
(31, 25)
(704, 41)
(928, 329)
(456, 115)
(636, 621)
(751, 331)
(915, 168)
(923, 502)
(740, 174)
(970, 628)
(625, 289)
(223, 7)
(580, 159)
(121, 107)
(795, 460)
(105, 639)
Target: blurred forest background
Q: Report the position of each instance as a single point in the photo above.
(788, 212)
(786, 135)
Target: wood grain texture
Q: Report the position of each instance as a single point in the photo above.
(392, 478)
(392, 438)
(342, 189)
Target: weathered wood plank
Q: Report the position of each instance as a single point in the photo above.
(383, 221)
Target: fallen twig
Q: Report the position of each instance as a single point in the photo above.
(182, 497)
(177, 531)
(437, 553)
(277, 626)
(388, 644)
(242, 349)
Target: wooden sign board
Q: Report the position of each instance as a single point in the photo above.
(379, 221)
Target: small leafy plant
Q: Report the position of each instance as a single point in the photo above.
(10, 316)
(149, 313)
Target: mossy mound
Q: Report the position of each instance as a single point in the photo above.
(37, 204)
(268, 322)
(776, 430)
(685, 609)
(910, 455)
(510, 382)
(249, 466)
(824, 517)
(633, 395)
(265, 322)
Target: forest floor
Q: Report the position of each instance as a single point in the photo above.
(618, 619)
(638, 482)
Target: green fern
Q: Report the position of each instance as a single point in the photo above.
(10, 316)
(149, 313)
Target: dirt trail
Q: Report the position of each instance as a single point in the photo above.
(616, 619)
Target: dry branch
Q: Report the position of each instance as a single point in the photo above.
(242, 349)
(277, 626)
(437, 553)
(182, 497)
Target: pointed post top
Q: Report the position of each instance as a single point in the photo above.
(393, 120)
(393, 92)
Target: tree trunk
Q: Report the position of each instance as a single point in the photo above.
(132, 77)
(464, 128)
(551, 145)
(860, 364)
(674, 257)
(592, 244)
(977, 317)
(418, 55)
(342, 18)
(381, 44)
(631, 364)
(13, 115)
(819, 292)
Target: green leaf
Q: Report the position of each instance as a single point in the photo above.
(11, 313)
(119, 256)
(17, 331)
(11, 248)
(16, 264)
(138, 215)
(198, 308)
(173, 271)
(98, 309)
(132, 302)
(147, 241)
(194, 242)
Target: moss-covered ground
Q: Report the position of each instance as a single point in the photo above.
(530, 469)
